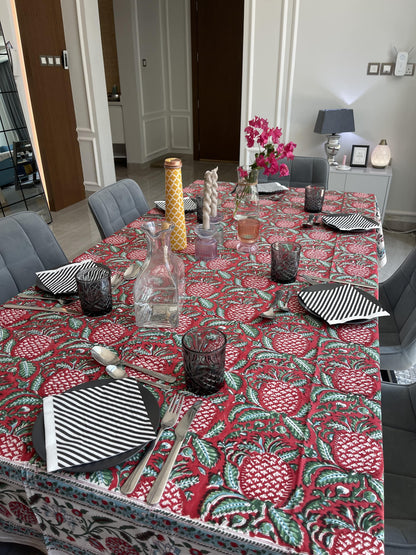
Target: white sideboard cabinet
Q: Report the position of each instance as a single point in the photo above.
(362, 180)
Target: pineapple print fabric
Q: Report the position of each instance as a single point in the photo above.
(175, 212)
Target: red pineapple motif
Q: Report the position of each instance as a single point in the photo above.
(116, 240)
(12, 447)
(151, 361)
(240, 313)
(256, 282)
(33, 346)
(172, 497)
(291, 343)
(204, 418)
(354, 381)
(202, 289)
(359, 248)
(358, 270)
(10, 316)
(22, 513)
(62, 381)
(356, 542)
(280, 397)
(353, 333)
(266, 477)
(232, 354)
(320, 254)
(358, 452)
(108, 333)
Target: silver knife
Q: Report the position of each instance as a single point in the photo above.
(181, 430)
(318, 280)
(158, 375)
(41, 308)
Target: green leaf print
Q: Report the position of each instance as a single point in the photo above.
(298, 430)
(287, 527)
(206, 453)
(335, 476)
(233, 380)
(231, 505)
(231, 476)
(26, 369)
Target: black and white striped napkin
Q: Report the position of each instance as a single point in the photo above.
(85, 425)
(188, 204)
(338, 303)
(61, 281)
(350, 222)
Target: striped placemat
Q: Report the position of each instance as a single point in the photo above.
(340, 303)
(85, 425)
(62, 280)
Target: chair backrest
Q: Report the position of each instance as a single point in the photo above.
(303, 170)
(27, 246)
(398, 332)
(117, 205)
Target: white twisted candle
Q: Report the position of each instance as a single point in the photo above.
(214, 190)
(206, 209)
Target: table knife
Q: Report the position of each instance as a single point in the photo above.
(41, 308)
(181, 430)
(319, 280)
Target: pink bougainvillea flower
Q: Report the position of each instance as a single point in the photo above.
(271, 149)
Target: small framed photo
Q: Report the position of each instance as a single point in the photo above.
(387, 69)
(373, 68)
(410, 69)
(359, 156)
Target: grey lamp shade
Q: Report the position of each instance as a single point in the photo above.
(334, 121)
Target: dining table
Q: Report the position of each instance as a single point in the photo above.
(287, 457)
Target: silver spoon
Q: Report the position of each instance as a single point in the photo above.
(276, 306)
(118, 372)
(132, 271)
(105, 357)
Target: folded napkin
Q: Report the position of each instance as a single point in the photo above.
(270, 187)
(188, 203)
(93, 423)
(62, 280)
(338, 303)
(350, 222)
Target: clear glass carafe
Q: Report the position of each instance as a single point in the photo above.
(160, 284)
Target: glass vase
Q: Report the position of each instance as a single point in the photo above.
(160, 284)
(246, 202)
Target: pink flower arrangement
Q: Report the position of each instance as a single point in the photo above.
(268, 139)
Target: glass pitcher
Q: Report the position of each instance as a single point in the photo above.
(160, 284)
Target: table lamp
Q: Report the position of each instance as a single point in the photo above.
(331, 123)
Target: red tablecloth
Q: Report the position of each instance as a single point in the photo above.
(287, 457)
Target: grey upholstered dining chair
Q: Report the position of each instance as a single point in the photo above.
(398, 331)
(303, 170)
(117, 205)
(399, 442)
(27, 245)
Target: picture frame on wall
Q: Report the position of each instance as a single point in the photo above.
(359, 156)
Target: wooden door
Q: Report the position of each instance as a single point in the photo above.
(217, 57)
(42, 34)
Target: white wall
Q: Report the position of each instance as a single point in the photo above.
(318, 60)
(157, 107)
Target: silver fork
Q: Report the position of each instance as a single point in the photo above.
(116, 279)
(169, 419)
(277, 306)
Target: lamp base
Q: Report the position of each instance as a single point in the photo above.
(332, 147)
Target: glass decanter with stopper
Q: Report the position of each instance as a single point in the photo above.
(159, 287)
